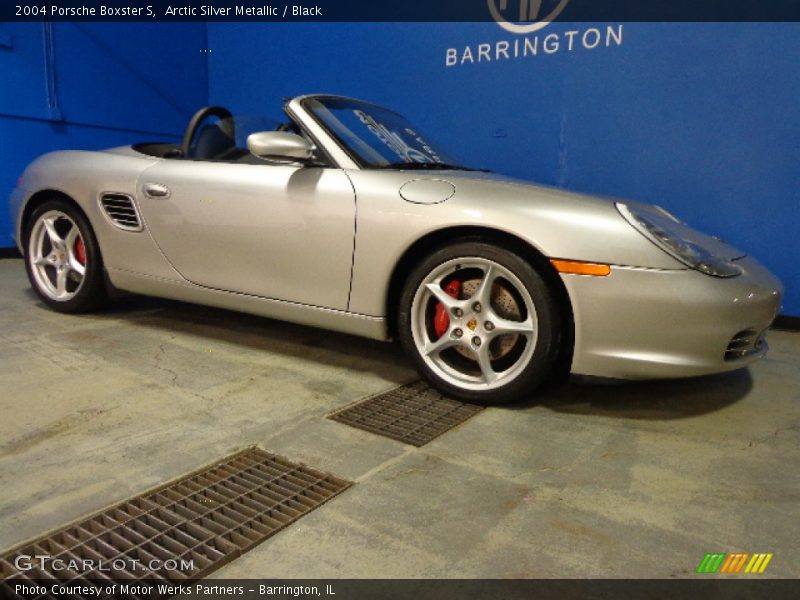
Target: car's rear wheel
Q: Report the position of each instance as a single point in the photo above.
(480, 323)
(62, 258)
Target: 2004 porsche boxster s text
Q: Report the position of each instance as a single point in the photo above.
(347, 217)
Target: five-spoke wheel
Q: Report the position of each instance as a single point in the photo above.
(62, 259)
(480, 322)
(58, 255)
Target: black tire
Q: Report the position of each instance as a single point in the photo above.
(92, 292)
(546, 349)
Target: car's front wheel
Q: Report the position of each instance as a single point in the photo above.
(62, 258)
(480, 323)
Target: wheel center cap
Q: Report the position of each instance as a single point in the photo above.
(472, 324)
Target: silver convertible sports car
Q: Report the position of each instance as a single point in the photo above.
(348, 217)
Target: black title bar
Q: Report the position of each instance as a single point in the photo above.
(409, 11)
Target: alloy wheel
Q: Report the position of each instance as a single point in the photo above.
(474, 323)
(57, 255)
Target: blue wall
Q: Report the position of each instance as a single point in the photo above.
(89, 86)
(700, 118)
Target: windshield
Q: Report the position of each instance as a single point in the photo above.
(378, 137)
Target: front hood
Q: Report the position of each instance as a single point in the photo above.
(510, 186)
(559, 224)
(539, 192)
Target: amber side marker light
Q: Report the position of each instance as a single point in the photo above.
(575, 267)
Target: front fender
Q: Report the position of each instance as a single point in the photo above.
(557, 224)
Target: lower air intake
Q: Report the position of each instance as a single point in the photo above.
(744, 344)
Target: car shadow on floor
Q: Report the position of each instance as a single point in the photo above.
(656, 400)
(257, 333)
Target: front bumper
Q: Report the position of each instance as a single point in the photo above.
(646, 323)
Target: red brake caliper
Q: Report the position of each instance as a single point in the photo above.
(80, 251)
(441, 320)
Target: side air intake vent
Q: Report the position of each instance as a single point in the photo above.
(122, 211)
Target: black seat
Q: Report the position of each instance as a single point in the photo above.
(212, 141)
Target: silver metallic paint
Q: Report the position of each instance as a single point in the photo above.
(558, 224)
(275, 231)
(427, 191)
(641, 323)
(279, 143)
(318, 246)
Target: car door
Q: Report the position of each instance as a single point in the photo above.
(284, 232)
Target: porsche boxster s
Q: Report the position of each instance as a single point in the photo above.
(348, 217)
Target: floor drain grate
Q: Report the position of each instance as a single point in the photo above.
(413, 413)
(179, 532)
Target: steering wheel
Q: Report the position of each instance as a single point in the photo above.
(226, 119)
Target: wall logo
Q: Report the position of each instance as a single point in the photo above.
(533, 14)
(733, 564)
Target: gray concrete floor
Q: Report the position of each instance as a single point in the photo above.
(623, 480)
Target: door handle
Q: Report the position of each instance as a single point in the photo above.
(156, 190)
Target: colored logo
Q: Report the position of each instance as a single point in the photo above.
(530, 14)
(732, 564)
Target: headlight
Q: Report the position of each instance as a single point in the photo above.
(675, 238)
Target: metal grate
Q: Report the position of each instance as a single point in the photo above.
(122, 211)
(200, 522)
(413, 414)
